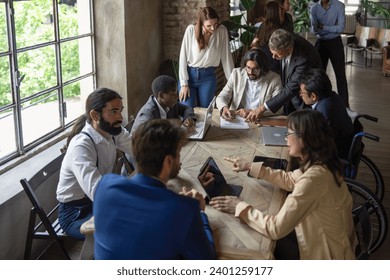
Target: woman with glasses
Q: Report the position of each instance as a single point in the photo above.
(205, 45)
(248, 87)
(319, 206)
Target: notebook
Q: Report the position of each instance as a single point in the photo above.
(236, 123)
(219, 187)
(273, 135)
(201, 127)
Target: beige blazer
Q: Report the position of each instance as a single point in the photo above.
(233, 92)
(318, 209)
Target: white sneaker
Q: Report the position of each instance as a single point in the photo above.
(352, 114)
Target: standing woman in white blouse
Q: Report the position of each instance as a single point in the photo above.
(204, 46)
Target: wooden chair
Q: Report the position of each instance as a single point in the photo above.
(48, 227)
(377, 43)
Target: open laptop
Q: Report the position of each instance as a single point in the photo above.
(273, 135)
(219, 187)
(201, 127)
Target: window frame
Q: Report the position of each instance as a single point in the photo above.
(16, 106)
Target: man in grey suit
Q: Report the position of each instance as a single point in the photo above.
(248, 86)
(297, 55)
(163, 104)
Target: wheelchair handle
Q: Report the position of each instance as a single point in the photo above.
(368, 117)
(371, 136)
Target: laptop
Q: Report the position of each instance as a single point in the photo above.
(201, 127)
(274, 135)
(219, 187)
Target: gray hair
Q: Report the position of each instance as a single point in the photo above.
(281, 40)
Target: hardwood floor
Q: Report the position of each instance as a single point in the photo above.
(369, 93)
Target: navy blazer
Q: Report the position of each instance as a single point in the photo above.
(150, 111)
(304, 55)
(339, 121)
(139, 218)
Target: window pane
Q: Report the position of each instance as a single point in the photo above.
(76, 58)
(74, 18)
(7, 140)
(75, 103)
(3, 29)
(5, 82)
(39, 68)
(40, 116)
(33, 22)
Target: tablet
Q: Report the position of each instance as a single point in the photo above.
(219, 187)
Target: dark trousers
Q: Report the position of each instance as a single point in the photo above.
(333, 50)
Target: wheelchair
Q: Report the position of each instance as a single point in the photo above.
(360, 167)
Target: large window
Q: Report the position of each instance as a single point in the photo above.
(46, 62)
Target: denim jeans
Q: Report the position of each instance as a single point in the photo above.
(202, 84)
(72, 215)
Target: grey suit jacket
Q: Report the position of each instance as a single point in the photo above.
(233, 92)
(150, 111)
(304, 56)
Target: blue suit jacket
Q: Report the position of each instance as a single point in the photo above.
(340, 123)
(139, 218)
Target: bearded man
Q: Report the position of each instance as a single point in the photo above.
(91, 153)
(249, 86)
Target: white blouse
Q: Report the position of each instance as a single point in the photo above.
(218, 50)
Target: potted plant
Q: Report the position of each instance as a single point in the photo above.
(301, 16)
(374, 9)
(239, 27)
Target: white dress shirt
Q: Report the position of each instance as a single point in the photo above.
(252, 94)
(79, 174)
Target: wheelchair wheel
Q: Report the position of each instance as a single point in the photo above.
(370, 176)
(377, 218)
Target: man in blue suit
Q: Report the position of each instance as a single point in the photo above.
(139, 218)
(316, 91)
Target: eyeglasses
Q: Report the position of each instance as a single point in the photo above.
(255, 70)
(287, 134)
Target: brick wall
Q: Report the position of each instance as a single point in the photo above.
(177, 15)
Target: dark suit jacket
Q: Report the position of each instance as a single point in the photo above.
(139, 218)
(340, 123)
(304, 55)
(150, 111)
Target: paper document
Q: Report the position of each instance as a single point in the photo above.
(236, 123)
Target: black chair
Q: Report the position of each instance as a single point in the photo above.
(370, 219)
(360, 167)
(47, 227)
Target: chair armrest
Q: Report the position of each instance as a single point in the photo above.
(386, 52)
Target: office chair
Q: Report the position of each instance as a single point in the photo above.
(370, 219)
(48, 227)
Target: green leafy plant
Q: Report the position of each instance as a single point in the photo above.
(239, 26)
(375, 9)
(301, 15)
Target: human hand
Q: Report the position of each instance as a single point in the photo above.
(227, 114)
(184, 93)
(243, 113)
(206, 178)
(255, 114)
(239, 164)
(225, 203)
(196, 195)
(189, 122)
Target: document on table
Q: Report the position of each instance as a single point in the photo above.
(236, 123)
